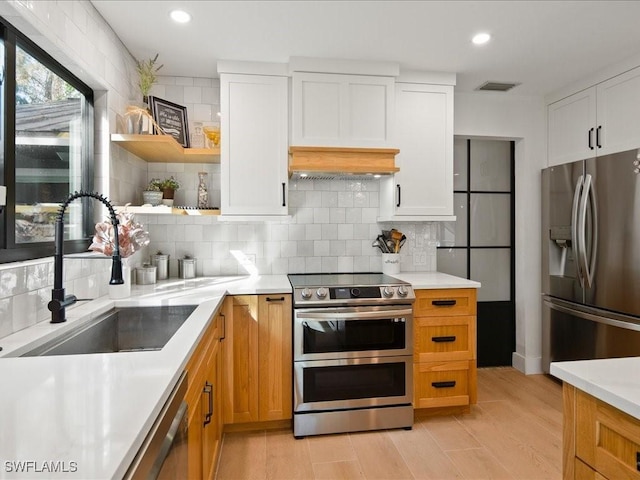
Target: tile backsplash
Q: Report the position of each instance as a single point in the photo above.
(331, 227)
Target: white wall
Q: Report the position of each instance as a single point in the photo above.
(522, 119)
(77, 36)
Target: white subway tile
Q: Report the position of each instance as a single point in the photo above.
(361, 199)
(353, 215)
(193, 95)
(304, 215)
(345, 231)
(296, 265)
(353, 247)
(288, 249)
(297, 198)
(305, 248)
(280, 266)
(6, 313)
(313, 199)
(313, 264)
(272, 249)
(337, 215)
(279, 232)
(345, 199)
(321, 248)
(313, 232)
(329, 199)
(361, 264)
(185, 81)
(329, 265)
(201, 113)
(24, 310)
(297, 232)
(337, 248)
(345, 264)
(329, 231)
(369, 215)
(321, 215)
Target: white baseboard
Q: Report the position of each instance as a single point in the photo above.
(527, 365)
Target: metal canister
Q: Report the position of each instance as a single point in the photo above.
(146, 274)
(161, 262)
(186, 267)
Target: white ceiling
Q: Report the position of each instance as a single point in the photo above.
(545, 45)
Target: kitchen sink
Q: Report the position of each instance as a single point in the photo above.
(130, 329)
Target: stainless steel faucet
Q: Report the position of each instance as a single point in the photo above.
(59, 301)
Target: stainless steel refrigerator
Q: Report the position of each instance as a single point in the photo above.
(591, 259)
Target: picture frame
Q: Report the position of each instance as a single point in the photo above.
(171, 118)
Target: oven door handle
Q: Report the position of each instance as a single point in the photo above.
(378, 315)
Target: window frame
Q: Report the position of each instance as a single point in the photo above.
(10, 251)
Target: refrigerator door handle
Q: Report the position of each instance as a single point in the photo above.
(587, 266)
(569, 309)
(575, 243)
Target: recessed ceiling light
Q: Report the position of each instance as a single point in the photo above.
(180, 16)
(481, 38)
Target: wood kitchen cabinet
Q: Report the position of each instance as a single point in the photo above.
(423, 187)
(597, 121)
(340, 110)
(204, 400)
(444, 332)
(258, 360)
(598, 440)
(254, 144)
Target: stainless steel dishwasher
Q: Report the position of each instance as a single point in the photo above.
(163, 454)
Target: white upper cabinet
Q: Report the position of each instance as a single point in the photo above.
(424, 134)
(254, 144)
(600, 120)
(572, 125)
(338, 110)
(619, 113)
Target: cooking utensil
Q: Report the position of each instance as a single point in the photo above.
(383, 244)
(376, 243)
(396, 236)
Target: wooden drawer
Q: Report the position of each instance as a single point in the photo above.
(444, 338)
(440, 303)
(585, 472)
(607, 439)
(438, 384)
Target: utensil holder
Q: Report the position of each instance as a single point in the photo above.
(390, 263)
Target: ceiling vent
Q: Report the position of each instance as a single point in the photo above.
(497, 86)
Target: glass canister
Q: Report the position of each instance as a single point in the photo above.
(186, 267)
(161, 262)
(146, 274)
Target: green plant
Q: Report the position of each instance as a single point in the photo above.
(147, 71)
(154, 185)
(169, 183)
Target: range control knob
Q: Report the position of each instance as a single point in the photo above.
(387, 291)
(355, 292)
(403, 291)
(321, 292)
(306, 294)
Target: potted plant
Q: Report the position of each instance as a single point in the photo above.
(152, 193)
(168, 187)
(147, 75)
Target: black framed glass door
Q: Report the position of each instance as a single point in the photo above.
(479, 245)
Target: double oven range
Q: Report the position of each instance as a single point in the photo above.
(352, 352)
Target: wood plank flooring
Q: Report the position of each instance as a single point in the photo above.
(513, 433)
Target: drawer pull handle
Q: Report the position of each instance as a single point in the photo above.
(445, 339)
(449, 384)
(208, 389)
(638, 461)
(279, 299)
(443, 303)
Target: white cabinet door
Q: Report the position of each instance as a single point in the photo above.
(338, 110)
(254, 144)
(572, 128)
(424, 133)
(619, 113)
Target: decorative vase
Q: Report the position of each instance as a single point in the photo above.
(203, 194)
(168, 193)
(117, 292)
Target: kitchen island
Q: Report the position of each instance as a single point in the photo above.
(601, 425)
(88, 415)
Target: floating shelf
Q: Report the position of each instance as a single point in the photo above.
(166, 210)
(164, 149)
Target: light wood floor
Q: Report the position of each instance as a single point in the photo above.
(514, 432)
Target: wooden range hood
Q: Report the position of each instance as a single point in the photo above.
(342, 160)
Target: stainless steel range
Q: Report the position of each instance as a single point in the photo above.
(353, 353)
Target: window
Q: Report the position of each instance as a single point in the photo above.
(46, 150)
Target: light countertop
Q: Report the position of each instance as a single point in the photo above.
(613, 380)
(95, 410)
(429, 280)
